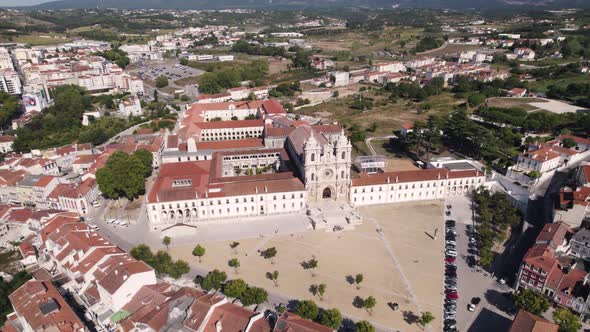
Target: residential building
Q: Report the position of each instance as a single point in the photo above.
(10, 82)
(524, 321)
(130, 106)
(6, 143)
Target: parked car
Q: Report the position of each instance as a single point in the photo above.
(450, 260)
(451, 253)
(470, 307)
(448, 213)
(449, 206)
(451, 242)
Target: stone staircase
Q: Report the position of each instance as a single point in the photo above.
(333, 216)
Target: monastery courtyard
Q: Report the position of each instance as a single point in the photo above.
(393, 249)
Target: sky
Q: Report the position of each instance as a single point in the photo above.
(4, 3)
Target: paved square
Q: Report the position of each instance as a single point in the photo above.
(393, 249)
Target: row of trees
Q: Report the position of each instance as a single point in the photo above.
(243, 46)
(116, 55)
(124, 174)
(161, 261)
(9, 108)
(496, 216)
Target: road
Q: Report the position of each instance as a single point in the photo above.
(368, 141)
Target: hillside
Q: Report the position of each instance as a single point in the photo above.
(289, 4)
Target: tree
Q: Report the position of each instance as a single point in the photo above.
(358, 279)
(254, 295)
(177, 269)
(274, 276)
(567, 321)
(166, 241)
(235, 263)
(336, 94)
(369, 303)
(161, 81)
(364, 326)
(321, 289)
(476, 99)
(122, 176)
(269, 254)
(310, 265)
(213, 280)
(146, 159)
(199, 251)
(425, 319)
(531, 301)
(142, 253)
(568, 143)
(307, 309)
(331, 318)
(234, 245)
(235, 288)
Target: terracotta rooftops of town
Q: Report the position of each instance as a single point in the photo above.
(59, 220)
(11, 178)
(541, 257)
(580, 196)
(198, 108)
(577, 139)
(200, 308)
(230, 124)
(408, 126)
(231, 317)
(273, 106)
(86, 159)
(6, 138)
(541, 155)
(26, 248)
(430, 174)
(113, 280)
(289, 322)
(246, 143)
(553, 234)
(43, 308)
(527, 322)
(195, 176)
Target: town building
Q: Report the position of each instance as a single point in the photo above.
(524, 321)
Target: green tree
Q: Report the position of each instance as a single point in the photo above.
(254, 295)
(358, 279)
(274, 276)
(476, 99)
(331, 318)
(311, 265)
(269, 254)
(425, 319)
(235, 263)
(122, 176)
(531, 301)
(321, 290)
(199, 251)
(568, 143)
(142, 252)
(369, 303)
(235, 288)
(166, 241)
(177, 269)
(307, 309)
(364, 326)
(567, 321)
(161, 81)
(213, 280)
(146, 159)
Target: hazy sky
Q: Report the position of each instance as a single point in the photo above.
(21, 2)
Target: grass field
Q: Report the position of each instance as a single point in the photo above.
(388, 116)
(562, 81)
(449, 49)
(37, 40)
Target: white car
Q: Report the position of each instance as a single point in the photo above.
(472, 240)
(96, 204)
(88, 218)
(451, 253)
(451, 242)
(450, 316)
(470, 307)
(123, 223)
(111, 221)
(502, 282)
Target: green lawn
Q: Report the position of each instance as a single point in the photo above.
(562, 81)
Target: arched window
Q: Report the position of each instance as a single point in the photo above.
(313, 157)
(312, 177)
(342, 175)
(343, 155)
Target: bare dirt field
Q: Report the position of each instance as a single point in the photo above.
(523, 103)
(400, 262)
(449, 49)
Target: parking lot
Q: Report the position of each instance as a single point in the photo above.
(495, 310)
(171, 69)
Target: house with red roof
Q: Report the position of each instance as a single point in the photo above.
(524, 321)
(39, 306)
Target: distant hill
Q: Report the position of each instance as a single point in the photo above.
(292, 4)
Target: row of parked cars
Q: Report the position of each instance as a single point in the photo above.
(116, 222)
(451, 293)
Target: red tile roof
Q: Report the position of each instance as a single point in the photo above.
(43, 308)
(413, 176)
(527, 322)
(231, 144)
(553, 234)
(289, 322)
